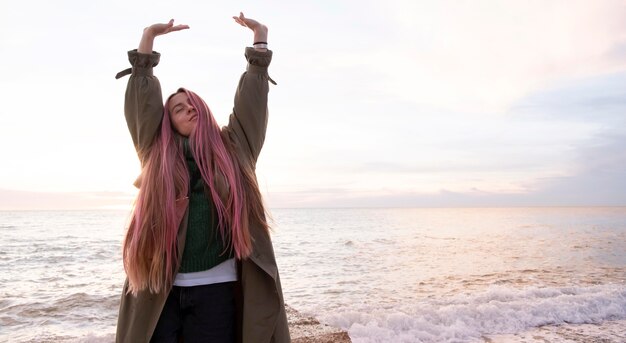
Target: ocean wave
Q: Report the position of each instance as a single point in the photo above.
(88, 307)
(497, 310)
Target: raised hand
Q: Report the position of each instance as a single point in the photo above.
(150, 32)
(161, 29)
(260, 30)
(249, 23)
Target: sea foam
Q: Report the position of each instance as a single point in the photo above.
(497, 310)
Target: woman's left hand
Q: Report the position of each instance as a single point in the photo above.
(260, 30)
(250, 23)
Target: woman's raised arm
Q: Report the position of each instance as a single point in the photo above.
(249, 118)
(143, 106)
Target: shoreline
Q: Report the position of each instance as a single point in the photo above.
(305, 329)
(606, 332)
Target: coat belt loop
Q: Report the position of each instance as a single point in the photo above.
(124, 73)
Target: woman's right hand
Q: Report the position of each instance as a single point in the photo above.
(161, 29)
(150, 32)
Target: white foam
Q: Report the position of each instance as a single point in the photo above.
(497, 310)
(605, 332)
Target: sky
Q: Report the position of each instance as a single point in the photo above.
(378, 103)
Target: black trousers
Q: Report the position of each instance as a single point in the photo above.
(198, 314)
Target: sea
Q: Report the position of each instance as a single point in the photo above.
(540, 274)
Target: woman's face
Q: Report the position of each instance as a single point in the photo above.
(184, 116)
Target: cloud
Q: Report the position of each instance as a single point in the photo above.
(599, 98)
(349, 198)
(486, 55)
(412, 98)
(569, 148)
(597, 178)
(600, 178)
(22, 200)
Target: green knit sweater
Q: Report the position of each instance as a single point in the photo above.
(204, 248)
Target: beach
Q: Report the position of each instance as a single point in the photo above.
(606, 332)
(376, 275)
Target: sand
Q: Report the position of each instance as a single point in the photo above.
(309, 330)
(607, 332)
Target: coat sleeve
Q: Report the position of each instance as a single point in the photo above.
(248, 121)
(143, 105)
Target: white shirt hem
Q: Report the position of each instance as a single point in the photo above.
(223, 272)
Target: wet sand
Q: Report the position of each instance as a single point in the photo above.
(607, 332)
(309, 330)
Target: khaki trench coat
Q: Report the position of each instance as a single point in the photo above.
(262, 316)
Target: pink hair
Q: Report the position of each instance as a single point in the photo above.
(150, 247)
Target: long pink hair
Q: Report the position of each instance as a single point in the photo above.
(150, 249)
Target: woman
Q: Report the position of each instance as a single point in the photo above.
(198, 256)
